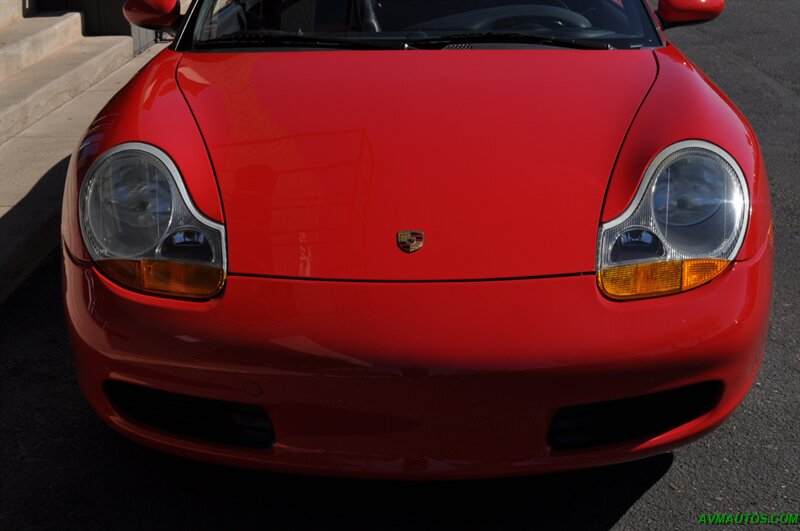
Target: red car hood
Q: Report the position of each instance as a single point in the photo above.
(500, 157)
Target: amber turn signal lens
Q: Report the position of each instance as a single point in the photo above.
(638, 281)
(174, 279)
(697, 272)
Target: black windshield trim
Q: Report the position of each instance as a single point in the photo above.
(184, 42)
(277, 39)
(500, 37)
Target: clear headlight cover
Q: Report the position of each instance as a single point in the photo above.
(685, 225)
(142, 230)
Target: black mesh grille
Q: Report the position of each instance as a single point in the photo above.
(618, 421)
(209, 420)
(459, 46)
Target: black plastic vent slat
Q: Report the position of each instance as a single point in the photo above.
(205, 419)
(459, 46)
(629, 419)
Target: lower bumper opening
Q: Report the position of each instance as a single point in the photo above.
(618, 421)
(216, 421)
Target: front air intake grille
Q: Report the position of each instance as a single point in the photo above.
(629, 419)
(216, 421)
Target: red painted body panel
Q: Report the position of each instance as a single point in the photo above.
(684, 105)
(152, 13)
(501, 158)
(428, 379)
(683, 11)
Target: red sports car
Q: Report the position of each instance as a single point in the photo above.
(417, 238)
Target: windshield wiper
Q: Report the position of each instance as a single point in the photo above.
(287, 40)
(522, 38)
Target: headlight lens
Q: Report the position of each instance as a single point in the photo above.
(129, 204)
(684, 227)
(142, 230)
(697, 201)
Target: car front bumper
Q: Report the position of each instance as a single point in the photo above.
(432, 380)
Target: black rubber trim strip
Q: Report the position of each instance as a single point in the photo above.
(396, 281)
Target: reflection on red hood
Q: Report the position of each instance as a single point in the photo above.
(501, 157)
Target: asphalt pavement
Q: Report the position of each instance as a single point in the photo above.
(62, 468)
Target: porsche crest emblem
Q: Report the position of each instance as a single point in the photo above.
(410, 241)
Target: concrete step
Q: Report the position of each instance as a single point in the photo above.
(33, 167)
(10, 12)
(37, 90)
(30, 40)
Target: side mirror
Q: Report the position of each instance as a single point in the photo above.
(159, 15)
(683, 12)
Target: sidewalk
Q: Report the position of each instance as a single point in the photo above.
(33, 167)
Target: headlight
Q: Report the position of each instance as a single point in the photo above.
(683, 228)
(142, 230)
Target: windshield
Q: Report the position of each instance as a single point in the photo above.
(225, 24)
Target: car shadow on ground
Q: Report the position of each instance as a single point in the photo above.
(215, 497)
(29, 230)
(62, 468)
